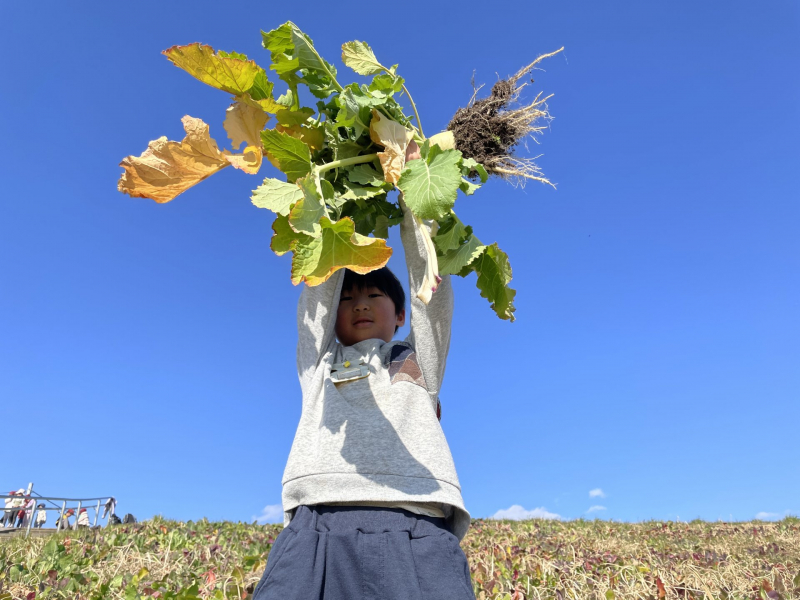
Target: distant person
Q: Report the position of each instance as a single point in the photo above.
(41, 516)
(109, 508)
(19, 503)
(83, 519)
(30, 505)
(63, 523)
(8, 512)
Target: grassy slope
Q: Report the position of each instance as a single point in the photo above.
(527, 559)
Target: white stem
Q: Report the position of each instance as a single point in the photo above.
(431, 280)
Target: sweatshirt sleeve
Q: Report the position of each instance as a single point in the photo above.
(316, 322)
(430, 324)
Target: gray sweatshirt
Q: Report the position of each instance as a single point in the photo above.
(375, 439)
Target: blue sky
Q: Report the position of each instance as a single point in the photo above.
(147, 351)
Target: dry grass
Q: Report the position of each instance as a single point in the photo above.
(600, 559)
(509, 560)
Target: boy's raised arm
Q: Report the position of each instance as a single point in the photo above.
(430, 323)
(316, 321)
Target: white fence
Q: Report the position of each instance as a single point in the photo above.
(61, 505)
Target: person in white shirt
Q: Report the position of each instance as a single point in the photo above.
(41, 516)
(18, 503)
(8, 514)
(83, 519)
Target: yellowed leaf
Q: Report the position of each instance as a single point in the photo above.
(266, 104)
(338, 246)
(225, 73)
(248, 161)
(313, 137)
(394, 138)
(167, 168)
(244, 123)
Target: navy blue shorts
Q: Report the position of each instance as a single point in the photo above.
(363, 553)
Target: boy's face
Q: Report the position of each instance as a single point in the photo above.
(366, 314)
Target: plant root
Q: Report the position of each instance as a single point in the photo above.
(489, 129)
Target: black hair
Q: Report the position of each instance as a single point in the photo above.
(382, 279)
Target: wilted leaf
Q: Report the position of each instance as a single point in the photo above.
(167, 169)
(248, 161)
(394, 138)
(244, 123)
(338, 246)
(662, 591)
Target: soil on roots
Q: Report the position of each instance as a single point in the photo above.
(482, 131)
(489, 129)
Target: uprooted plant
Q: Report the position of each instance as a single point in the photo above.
(342, 160)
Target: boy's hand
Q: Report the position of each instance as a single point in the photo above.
(412, 151)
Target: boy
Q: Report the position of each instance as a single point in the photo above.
(372, 502)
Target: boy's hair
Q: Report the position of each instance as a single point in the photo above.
(382, 279)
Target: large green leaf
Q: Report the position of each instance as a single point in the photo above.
(455, 261)
(386, 84)
(494, 275)
(338, 246)
(355, 106)
(366, 175)
(359, 57)
(430, 185)
(292, 51)
(292, 154)
(451, 233)
(359, 192)
(310, 60)
(279, 40)
(277, 196)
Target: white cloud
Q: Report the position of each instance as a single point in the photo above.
(272, 513)
(764, 516)
(596, 493)
(518, 513)
(595, 508)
